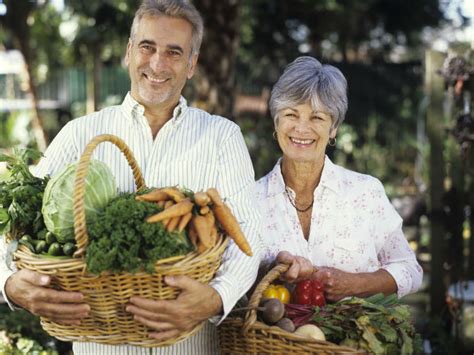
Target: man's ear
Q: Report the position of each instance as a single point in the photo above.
(127, 52)
(192, 67)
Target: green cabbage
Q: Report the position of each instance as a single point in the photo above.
(58, 197)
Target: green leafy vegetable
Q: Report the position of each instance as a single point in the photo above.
(120, 239)
(58, 197)
(21, 195)
(377, 324)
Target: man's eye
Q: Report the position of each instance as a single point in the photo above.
(146, 48)
(174, 53)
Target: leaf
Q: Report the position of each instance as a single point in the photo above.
(407, 347)
(374, 344)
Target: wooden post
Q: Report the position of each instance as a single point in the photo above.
(434, 86)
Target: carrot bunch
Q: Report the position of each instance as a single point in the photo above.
(202, 213)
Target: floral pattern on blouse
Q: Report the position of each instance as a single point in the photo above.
(354, 227)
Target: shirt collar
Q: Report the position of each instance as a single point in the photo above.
(330, 178)
(133, 109)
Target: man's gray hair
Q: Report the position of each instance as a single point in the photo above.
(307, 80)
(174, 8)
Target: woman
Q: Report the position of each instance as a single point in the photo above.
(329, 223)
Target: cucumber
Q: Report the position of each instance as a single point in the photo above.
(55, 249)
(50, 238)
(69, 249)
(41, 246)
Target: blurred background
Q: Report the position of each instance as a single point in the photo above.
(410, 68)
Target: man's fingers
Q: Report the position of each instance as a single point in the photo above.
(61, 311)
(181, 282)
(155, 316)
(158, 326)
(34, 277)
(55, 296)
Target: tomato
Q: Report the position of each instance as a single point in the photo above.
(270, 292)
(317, 285)
(318, 299)
(309, 292)
(279, 292)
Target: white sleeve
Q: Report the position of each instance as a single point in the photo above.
(394, 252)
(236, 184)
(5, 270)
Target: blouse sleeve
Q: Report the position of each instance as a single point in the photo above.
(394, 252)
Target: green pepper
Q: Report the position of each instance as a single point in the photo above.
(55, 249)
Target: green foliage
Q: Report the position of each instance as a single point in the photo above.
(377, 324)
(21, 333)
(121, 240)
(21, 195)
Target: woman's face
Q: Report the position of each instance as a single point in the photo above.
(303, 134)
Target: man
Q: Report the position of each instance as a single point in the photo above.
(173, 144)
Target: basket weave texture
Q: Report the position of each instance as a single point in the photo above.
(250, 336)
(107, 294)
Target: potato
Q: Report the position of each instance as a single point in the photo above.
(310, 331)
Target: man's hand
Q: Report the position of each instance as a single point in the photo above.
(196, 302)
(29, 290)
(300, 268)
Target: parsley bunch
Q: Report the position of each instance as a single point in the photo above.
(120, 240)
(21, 196)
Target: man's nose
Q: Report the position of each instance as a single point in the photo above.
(157, 61)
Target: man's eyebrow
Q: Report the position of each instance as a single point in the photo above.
(147, 41)
(175, 47)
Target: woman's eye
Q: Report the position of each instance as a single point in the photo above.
(290, 114)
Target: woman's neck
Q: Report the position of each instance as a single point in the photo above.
(301, 177)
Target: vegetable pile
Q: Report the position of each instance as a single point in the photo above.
(21, 196)
(377, 324)
(120, 240)
(202, 212)
(57, 209)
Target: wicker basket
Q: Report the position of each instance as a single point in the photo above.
(250, 336)
(107, 294)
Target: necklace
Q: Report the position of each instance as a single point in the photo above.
(293, 202)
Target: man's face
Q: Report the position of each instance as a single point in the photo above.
(159, 60)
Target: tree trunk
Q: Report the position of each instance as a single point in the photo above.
(434, 86)
(94, 67)
(15, 21)
(214, 82)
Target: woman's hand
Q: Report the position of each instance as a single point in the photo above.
(300, 268)
(195, 303)
(337, 283)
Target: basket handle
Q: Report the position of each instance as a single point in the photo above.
(80, 230)
(251, 315)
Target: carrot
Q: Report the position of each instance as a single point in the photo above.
(173, 223)
(179, 209)
(201, 199)
(203, 230)
(214, 196)
(184, 221)
(192, 234)
(204, 210)
(153, 196)
(161, 204)
(231, 227)
(174, 193)
(211, 221)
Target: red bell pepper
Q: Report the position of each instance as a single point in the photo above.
(310, 292)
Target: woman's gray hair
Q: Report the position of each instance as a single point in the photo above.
(307, 80)
(174, 8)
